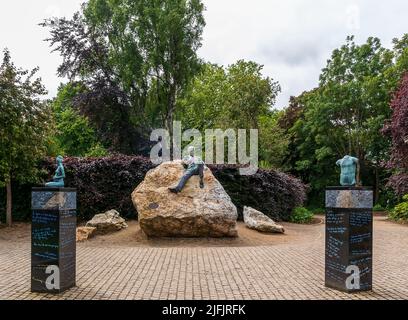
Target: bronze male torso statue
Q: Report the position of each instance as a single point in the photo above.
(348, 167)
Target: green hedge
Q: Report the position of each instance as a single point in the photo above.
(107, 183)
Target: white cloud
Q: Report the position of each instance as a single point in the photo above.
(294, 38)
(20, 33)
(52, 11)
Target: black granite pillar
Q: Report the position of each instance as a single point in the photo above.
(349, 238)
(53, 239)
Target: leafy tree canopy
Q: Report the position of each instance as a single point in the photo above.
(398, 130)
(236, 97)
(134, 58)
(25, 124)
(74, 136)
(345, 114)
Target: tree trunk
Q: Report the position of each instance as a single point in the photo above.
(169, 128)
(9, 219)
(171, 102)
(358, 174)
(377, 186)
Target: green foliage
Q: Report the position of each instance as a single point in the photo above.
(352, 102)
(379, 208)
(273, 142)
(96, 151)
(401, 60)
(204, 101)
(25, 122)
(151, 43)
(301, 215)
(388, 199)
(237, 97)
(344, 115)
(74, 135)
(135, 59)
(400, 212)
(112, 180)
(249, 95)
(25, 125)
(317, 210)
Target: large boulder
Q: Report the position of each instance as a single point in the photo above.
(256, 220)
(194, 212)
(107, 222)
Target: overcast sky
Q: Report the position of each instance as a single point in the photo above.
(291, 38)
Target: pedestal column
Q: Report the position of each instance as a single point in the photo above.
(53, 239)
(349, 238)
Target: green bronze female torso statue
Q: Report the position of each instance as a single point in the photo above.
(58, 179)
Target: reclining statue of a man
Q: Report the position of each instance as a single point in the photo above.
(195, 167)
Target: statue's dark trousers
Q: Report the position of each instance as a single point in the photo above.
(197, 170)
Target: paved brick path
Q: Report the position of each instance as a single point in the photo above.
(293, 270)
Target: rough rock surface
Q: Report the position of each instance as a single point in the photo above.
(84, 233)
(107, 222)
(256, 220)
(194, 212)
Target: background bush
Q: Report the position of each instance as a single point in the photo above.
(102, 184)
(274, 193)
(400, 212)
(379, 208)
(301, 215)
(107, 183)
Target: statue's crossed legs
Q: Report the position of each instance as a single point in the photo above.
(197, 171)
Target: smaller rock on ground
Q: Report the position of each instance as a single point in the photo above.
(107, 222)
(84, 233)
(256, 220)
